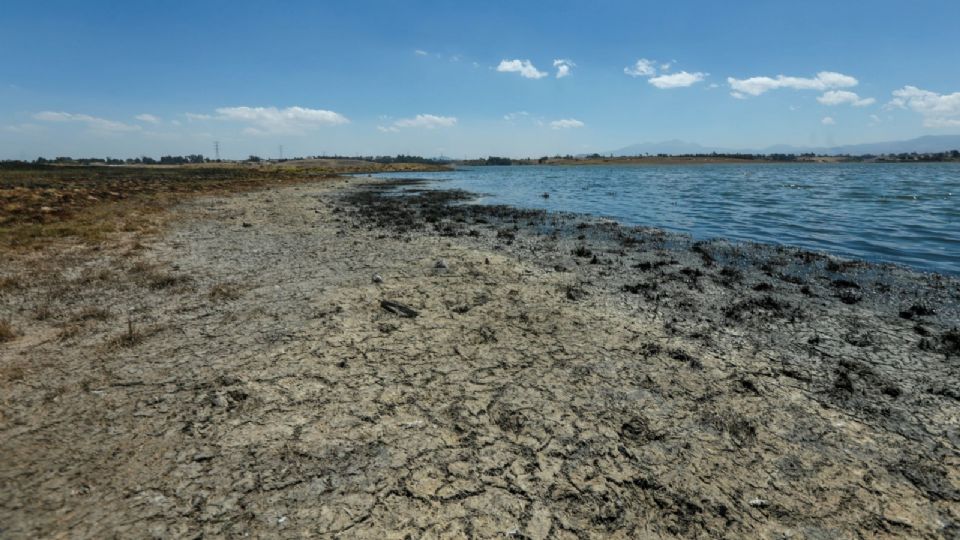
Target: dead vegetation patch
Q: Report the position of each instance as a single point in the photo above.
(225, 292)
(7, 332)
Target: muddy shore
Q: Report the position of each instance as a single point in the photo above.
(562, 378)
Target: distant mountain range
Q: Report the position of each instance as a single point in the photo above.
(920, 145)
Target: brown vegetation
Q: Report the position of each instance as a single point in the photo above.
(44, 204)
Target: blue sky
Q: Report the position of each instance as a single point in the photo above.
(462, 79)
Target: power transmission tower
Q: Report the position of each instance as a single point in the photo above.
(216, 149)
(281, 151)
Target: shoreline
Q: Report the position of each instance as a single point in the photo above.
(683, 160)
(563, 377)
(845, 257)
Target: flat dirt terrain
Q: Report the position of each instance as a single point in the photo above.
(327, 359)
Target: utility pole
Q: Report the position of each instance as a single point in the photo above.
(216, 149)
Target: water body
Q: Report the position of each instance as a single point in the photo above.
(901, 213)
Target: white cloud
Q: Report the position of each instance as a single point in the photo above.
(844, 97)
(92, 122)
(147, 118)
(828, 121)
(563, 67)
(566, 123)
(198, 117)
(754, 86)
(937, 110)
(677, 80)
(643, 68)
(424, 121)
(420, 52)
(524, 67)
(648, 68)
(291, 120)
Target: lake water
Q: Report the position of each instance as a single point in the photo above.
(902, 213)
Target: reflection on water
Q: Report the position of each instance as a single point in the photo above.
(903, 213)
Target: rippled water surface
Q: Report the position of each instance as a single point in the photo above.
(902, 213)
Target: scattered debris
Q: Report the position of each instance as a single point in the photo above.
(399, 309)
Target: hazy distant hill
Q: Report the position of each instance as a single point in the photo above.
(667, 147)
(929, 143)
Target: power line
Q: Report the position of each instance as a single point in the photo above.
(216, 149)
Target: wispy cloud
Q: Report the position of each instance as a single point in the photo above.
(642, 68)
(423, 121)
(828, 121)
(937, 110)
(271, 120)
(563, 67)
(681, 79)
(149, 118)
(525, 68)
(844, 97)
(566, 123)
(755, 86)
(23, 128)
(510, 117)
(92, 122)
(420, 52)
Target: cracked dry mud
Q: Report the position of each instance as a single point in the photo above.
(564, 378)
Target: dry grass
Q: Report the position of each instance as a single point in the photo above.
(9, 283)
(133, 336)
(12, 373)
(224, 292)
(69, 331)
(43, 205)
(7, 332)
(92, 313)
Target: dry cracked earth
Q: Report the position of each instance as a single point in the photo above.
(562, 378)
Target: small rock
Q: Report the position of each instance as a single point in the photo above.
(576, 294)
(441, 264)
(247, 224)
(759, 503)
(377, 278)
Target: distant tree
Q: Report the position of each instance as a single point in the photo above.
(254, 159)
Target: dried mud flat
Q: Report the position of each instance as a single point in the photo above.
(563, 378)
